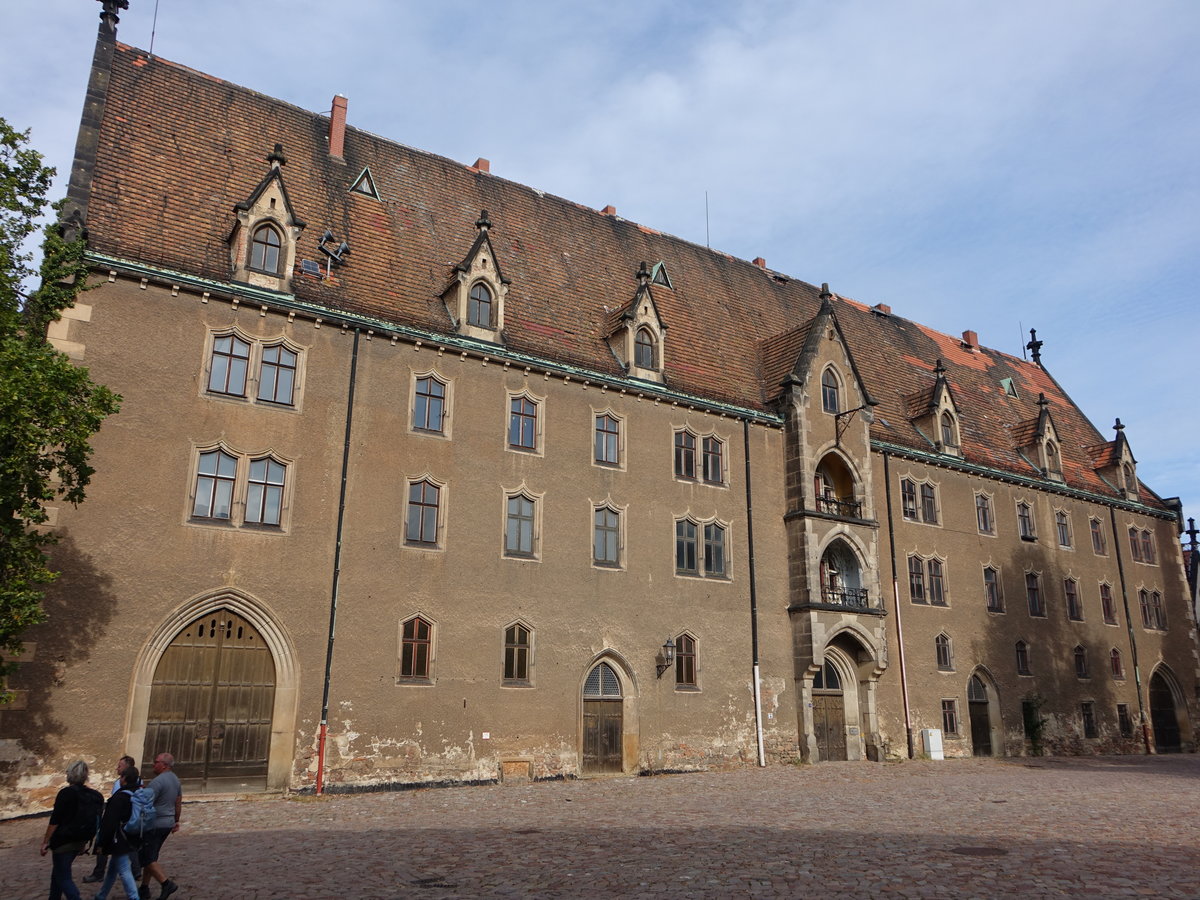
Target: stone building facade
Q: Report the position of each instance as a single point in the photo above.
(423, 476)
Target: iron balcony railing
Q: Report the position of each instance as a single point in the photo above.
(851, 598)
(847, 509)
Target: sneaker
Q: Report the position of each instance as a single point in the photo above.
(168, 888)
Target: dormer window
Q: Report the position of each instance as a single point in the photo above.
(479, 306)
(831, 389)
(644, 355)
(264, 250)
(1131, 483)
(1053, 461)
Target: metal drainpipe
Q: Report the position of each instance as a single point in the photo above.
(337, 570)
(887, 487)
(1133, 654)
(758, 726)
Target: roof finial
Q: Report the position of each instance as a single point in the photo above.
(1042, 401)
(643, 273)
(1034, 346)
(939, 370)
(1192, 532)
(109, 15)
(1118, 426)
(276, 157)
(483, 223)
(825, 295)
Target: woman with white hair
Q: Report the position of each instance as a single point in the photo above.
(73, 824)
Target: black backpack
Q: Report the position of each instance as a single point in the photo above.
(85, 821)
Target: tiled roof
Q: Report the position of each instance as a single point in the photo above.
(178, 149)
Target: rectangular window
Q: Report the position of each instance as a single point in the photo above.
(1099, 543)
(945, 659)
(714, 550)
(1144, 603)
(1148, 555)
(916, 579)
(277, 375)
(1124, 720)
(685, 662)
(937, 588)
(214, 485)
(421, 524)
(228, 364)
(1116, 664)
(1033, 593)
(607, 450)
(1135, 545)
(1062, 523)
(522, 424)
(516, 654)
(1025, 522)
(685, 547)
(264, 492)
(908, 499)
(1071, 593)
(929, 510)
(518, 526)
(950, 716)
(1107, 606)
(415, 643)
(983, 514)
(1087, 710)
(991, 590)
(429, 405)
(1023, 667)
(714, 451)
(685, 455)
(1082, 669)
(1158, 612)
(606, 537)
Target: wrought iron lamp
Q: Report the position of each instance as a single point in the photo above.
(667, 657)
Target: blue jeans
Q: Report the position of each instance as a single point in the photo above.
(61, 882)
(119, 866)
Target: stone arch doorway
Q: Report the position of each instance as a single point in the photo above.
(1167, 713)
(603, 721)
(211, 702)
(216, 686)
(829, 713)
(983, 713)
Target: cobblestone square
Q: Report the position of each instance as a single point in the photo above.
(1098, 827)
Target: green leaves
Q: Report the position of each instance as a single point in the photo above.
(49, 407)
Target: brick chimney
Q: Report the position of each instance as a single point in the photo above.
(760, 262)
(971, 339)
(609, 210)
(337, 127)
(482, 165)
(882, 308)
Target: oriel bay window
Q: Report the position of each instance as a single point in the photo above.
(842, 577)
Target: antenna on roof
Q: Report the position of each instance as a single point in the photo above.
(706, 235)
(1021, 331)
(153, 27)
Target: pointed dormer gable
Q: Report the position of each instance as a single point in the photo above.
(1114, 462)
(934, 413)
(477, 290)
(1037, 439)
(365, 184)
(262, 243)
(638, 337)
(826, 365)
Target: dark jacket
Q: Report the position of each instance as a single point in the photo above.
(113, 839)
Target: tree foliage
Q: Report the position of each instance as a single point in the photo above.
(49, 407)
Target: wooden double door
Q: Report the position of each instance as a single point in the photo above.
(829, 725)
(211, 705)
(603, 722)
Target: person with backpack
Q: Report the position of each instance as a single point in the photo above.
(168, 799)
(115, 840)
(73, 824)
(97, 874)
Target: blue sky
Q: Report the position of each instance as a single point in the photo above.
(980, 166)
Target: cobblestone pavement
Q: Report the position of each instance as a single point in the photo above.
(1098, 827)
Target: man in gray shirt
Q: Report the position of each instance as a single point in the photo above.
(168, 805)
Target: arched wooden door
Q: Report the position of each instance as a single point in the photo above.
(1163, 716)
(981, 721)
(829, 714)
(603, 721)
(211, 703)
